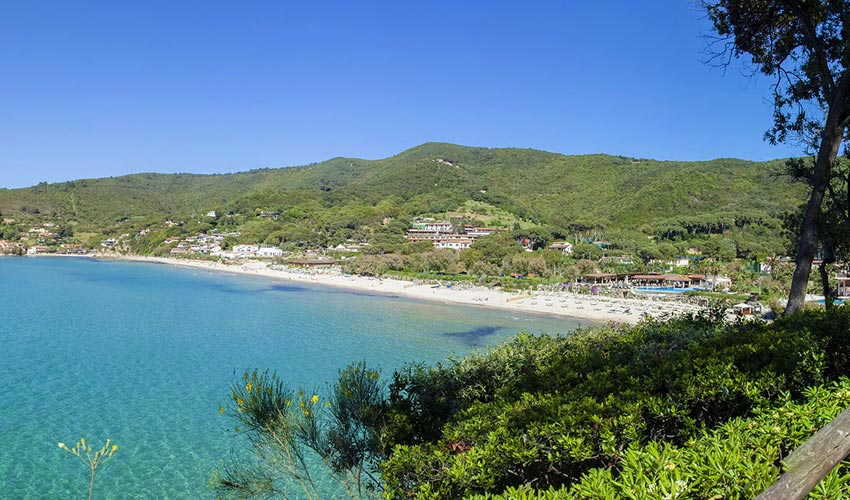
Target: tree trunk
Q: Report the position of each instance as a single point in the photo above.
(824, 281)
(830, 143)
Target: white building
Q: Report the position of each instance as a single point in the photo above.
(718, 282)
(246, 250)
(562, 246)
(269, 252)
(439, 227)
(477, 232)
(456, 243)
(679, 262)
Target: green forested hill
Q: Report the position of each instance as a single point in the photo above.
(607, 192)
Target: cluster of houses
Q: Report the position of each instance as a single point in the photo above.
(12, 248)
(41, 239)
(249, 251)
(40, 234)
(211, 244)
(203, 244)
(63, 249)
(18, 248)
(443, 234)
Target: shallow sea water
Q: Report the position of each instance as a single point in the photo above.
(143, 354)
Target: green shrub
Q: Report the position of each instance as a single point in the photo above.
(736, 460)
(583, 410)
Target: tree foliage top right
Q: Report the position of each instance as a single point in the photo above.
(804, 46)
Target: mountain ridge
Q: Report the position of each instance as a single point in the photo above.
(597, 190)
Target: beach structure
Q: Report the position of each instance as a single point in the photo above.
(668, 280)
(656, 280)
(742, 309)
(599, 278)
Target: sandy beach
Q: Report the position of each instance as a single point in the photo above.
(565, 304)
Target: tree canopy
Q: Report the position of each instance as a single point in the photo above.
(804, 45)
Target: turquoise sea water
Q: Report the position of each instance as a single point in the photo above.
(143, 354)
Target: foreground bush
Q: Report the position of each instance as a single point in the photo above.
(736, 460)
(545, 412)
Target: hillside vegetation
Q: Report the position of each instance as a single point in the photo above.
(602, 194)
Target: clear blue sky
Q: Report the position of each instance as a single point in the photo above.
(92, 89)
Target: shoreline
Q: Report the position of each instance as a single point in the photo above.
(567, 305)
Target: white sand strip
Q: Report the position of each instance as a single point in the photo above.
(563, 304)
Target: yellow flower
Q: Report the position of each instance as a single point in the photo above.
(239, 401)
(315, 398)
(288, 402)
(114, 448)
(221, 410)
(249, 387)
